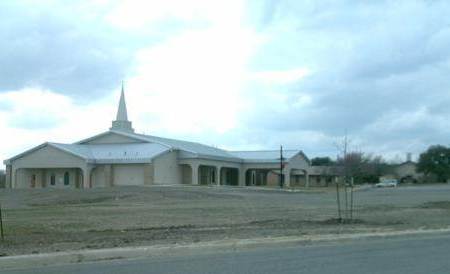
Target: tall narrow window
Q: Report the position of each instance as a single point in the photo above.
(52, 179)
(66, 178)
(33, 180)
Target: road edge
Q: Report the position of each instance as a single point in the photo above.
(95, 255)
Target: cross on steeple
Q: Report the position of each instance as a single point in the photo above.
(121, 123)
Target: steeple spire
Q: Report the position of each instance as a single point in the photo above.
(122, 110)
(121, 123)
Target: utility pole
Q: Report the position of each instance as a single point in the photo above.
(346, 176)
(281, 167)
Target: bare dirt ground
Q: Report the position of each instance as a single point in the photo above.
(48, 220)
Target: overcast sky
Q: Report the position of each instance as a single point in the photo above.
(239, 75)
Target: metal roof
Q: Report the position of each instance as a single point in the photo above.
(111, 153)
(267, 156)
(193, 147)
(197, 150)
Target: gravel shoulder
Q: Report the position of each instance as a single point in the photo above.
(51, 220)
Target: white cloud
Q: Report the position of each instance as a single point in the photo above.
(193, 82)
(204, 70)
(22, 123)
(137, 14)
(280, 77)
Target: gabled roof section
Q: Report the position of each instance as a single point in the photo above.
(120, 133)
(267, 156)
(7, 161)
(197, 150)
(116, 153)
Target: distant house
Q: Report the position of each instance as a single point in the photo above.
(324, 175)
(404, 172)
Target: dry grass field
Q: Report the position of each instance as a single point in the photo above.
(45, 220)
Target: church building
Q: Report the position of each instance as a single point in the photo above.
(120, 156)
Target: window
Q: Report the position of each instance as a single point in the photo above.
(66, 178)
(52, 179)
(33, 180)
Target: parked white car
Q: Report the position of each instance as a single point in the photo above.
(387, 183)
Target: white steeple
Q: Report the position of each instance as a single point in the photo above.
(122, 111)
(121, 123)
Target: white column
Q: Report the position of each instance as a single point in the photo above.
(107, 169)
(306, 179)
(87, 176)
(8, 182)
(242, 172)
(194, 168)
(218, 168)
(14, 178)
(287, 177)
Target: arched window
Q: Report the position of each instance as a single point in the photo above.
(66, 178)
(52, 179)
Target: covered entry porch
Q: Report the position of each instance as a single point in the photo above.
(48, 177)
(270, 176)
(195, 172)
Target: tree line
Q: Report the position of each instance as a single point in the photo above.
(434, 164)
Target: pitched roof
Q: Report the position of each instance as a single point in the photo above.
(200, 150)
(115, 153)
(326, 170)
(266, 156)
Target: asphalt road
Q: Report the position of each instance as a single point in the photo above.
(425, 254)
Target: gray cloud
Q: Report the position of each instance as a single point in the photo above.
(368, 60)
(58, 46)
(43, 48)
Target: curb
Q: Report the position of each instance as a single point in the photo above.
(79, 256)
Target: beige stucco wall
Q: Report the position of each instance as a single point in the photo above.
(166, 169)
(46, 157)
(42, 177)
(107, 175)
(128, 174)
(186, 174)
(298, 162)
(98, 176)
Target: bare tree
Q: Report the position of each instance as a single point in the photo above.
(350, 163)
